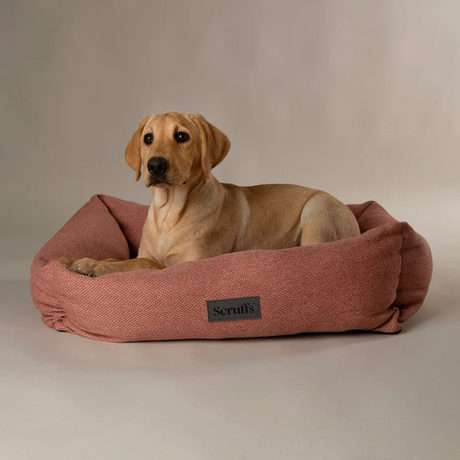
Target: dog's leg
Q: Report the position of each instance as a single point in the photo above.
(325, 219)
(95, 268)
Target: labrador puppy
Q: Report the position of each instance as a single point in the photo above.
(194, 216)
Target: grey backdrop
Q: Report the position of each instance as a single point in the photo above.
(359, 98)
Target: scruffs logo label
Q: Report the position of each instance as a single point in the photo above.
(233, 309)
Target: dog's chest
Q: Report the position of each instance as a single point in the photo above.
(161, 247)
(164, 240)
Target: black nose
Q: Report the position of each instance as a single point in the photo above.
(157, 166)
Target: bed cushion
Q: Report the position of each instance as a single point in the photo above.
(373, 282)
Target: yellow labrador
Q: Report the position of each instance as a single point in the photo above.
(193, 216)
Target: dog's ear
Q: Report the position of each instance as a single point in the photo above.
(133, 150)
(214, 144)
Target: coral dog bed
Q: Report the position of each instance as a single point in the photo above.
(373, 282)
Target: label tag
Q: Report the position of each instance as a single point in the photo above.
(233, 309)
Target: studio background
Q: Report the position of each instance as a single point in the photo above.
(358, 98)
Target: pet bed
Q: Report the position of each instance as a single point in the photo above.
(373, 282)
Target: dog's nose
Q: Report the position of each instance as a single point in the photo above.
(157, 166)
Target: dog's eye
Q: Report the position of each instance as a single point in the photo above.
(182, 137)
(148, 138)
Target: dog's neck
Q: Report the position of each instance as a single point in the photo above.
(171, 204)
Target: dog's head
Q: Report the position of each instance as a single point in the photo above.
(175, 148)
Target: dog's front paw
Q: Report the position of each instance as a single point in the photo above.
(83, 266)
(92, 268)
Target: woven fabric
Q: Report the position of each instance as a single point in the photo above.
(373, 282)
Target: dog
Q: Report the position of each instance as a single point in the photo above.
(194, 216)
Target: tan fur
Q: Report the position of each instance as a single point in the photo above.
(195, 216)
